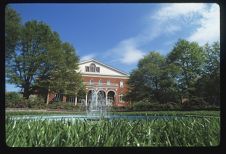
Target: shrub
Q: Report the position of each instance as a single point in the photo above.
(62, 106)
(195, 103)
(144, 105)
(11, 98)
(37, 102)
(120, 108)
(170, 106)
(15, 100)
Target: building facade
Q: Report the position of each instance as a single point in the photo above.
(101, 79)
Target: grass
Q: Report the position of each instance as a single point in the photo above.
(160, 113)
(173, 113)
(188, 132)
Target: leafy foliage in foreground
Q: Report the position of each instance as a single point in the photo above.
(176, 132)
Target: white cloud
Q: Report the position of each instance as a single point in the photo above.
(172, 28)
(209, 29)
(169, 20)
(132, 56)
(87, 57)
(178, 9)
(207, 23)
(127, 52)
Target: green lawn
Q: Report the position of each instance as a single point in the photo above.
(184, 113)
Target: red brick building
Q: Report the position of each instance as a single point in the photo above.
(100, 78)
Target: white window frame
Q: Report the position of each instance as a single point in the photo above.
(90, 82)
(92, 67)
(98, 69)
(87, 68)
(108, 82)
(120, 98)
(100, 82)
(121, 84)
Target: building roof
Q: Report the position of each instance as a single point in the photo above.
(100, 63)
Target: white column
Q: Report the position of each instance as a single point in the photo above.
(75, 100)
(96, 97)
(106, 99)
(47, 100)
(86, 99)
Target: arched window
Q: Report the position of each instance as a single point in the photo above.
(92, 67)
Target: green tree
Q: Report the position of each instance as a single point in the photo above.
(64, 78)
(208, 86)
(153, 79)
(12, 31)
(189, 58)
(42, 62)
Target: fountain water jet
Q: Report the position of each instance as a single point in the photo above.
(97, 106)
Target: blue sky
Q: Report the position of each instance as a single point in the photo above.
(121, 34)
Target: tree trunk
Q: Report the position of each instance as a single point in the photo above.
(26, 93)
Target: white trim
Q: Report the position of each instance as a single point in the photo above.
(105, 76)
(112, 91)
(94, 60)
(91, 89)
(121, 84)
(101, 90)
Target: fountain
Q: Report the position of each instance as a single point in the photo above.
(97, 106)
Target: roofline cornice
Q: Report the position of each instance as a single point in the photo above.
(112, 68)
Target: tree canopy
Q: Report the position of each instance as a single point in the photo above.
(188, 71)
(40, 61)
(12, 31)
(189, 57)
(153, 79)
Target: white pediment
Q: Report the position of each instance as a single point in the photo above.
(103, 69)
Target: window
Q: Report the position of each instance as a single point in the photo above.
(121, 98)
(108, 82)
(58, 97)
(121, 84)
(92, 67)
(100, 82)
(87, 68)
(90, 82)
(97, 69)
(70, 99)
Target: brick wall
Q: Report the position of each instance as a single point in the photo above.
(118, 90)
